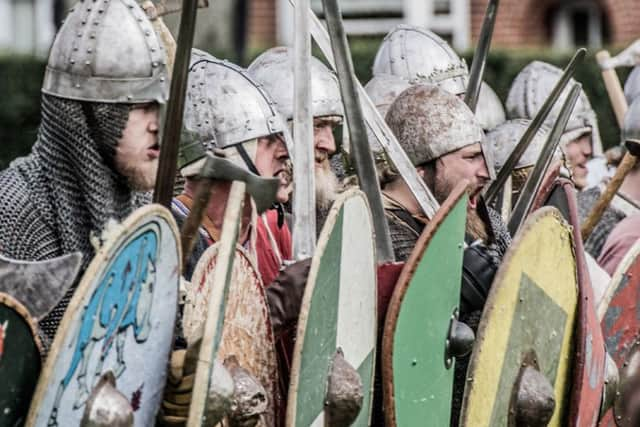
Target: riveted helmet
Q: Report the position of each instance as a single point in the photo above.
(224, 107)
(419, 55)
(383, 89)
(530, 90)
(504, 138)
(631, 127)
(632, 85)
(273, 70)
(430, 122)
(489, 112)
(89, 62)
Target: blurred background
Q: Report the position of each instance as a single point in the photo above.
(239, 30)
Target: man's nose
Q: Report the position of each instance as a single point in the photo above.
(483, 172)
(324, 140)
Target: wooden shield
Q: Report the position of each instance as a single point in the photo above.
(20, 350)
(620, 320)
(529, 317)
(246, 331)
(417, 377)
(589, 354)
(121, 318)
(338, 311)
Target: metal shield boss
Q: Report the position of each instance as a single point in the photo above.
(420, 339)
(338, 314)
(121, 319)
(521, 363)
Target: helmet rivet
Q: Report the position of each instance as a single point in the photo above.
(153, 49)
(88, 9)
(75, 49)
(79, 34)
(100, 10)
(154, 64)
(89, 50)
(147, 33)
(96, 23)
(139, 19)
(129, 97)
(73, 61)
(161, 79)
(83, 22)
(130, 6)
(77, 85)
(92, 35)
(87, 63)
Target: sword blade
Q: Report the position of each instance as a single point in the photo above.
(360, 151)
(379, 127)
(531, 187)
(304, 200)
(480, 55)
(534, 126)
(167, 166)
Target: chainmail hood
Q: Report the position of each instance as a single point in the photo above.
(53, 199)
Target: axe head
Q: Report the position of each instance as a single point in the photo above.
(158, 8)
(627, 58)
(39, 285)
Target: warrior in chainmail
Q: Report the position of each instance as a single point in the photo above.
(85, 167)
(444, 141)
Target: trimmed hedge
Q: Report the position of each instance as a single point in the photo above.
(21, 78)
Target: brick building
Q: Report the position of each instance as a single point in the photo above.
(559, 23)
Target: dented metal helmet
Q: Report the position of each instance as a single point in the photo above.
(224, 107)
(489, 111)
(504, 138)
(530, 90)
(430, 122)
(421, 56)
(273, 70)
(383, 90)
(632, 85)
(107, 51)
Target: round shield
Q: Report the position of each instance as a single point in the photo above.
(620, 323)
(338, 312)
(528, 321)
(589, 357)
(246, 331)
(20, 350)
(121, 318)
(417, 371)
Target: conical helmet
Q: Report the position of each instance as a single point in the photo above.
(632, 85)
(418, 54)
(430, 122)
(489, 112)
(107, 51)
(224, 107)
(530, 90)
(273, 70)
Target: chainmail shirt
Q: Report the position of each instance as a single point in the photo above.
(67, 189)
(610, 218)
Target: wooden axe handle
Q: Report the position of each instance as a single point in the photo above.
(614, 88)
(628, 162)
(194, 219)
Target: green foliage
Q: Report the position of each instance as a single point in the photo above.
(20, 82)
(21, 79)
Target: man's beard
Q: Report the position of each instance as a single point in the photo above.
(326, 185)
(139, 177)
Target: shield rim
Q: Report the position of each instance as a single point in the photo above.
(11, 302)
(532, 219)
(577, 416)
(323, 240)
(629, 259)
(401, 287)
(136, 218)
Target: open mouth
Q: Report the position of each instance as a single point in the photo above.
(474, 197)
(154, 151)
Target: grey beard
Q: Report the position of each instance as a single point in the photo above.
(326, 187)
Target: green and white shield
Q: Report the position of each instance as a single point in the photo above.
(338, 312)
(121, 318)
(416, 367)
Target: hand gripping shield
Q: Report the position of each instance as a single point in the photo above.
(418, 54)
(107, 51)
(532, 87)
(121, 318)
(273, 70)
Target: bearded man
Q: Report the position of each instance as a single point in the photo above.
(444, 141)
(273, 70)
(96, 154)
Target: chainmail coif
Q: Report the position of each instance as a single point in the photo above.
(53, 199)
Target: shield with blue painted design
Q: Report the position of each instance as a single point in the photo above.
(121, 319)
